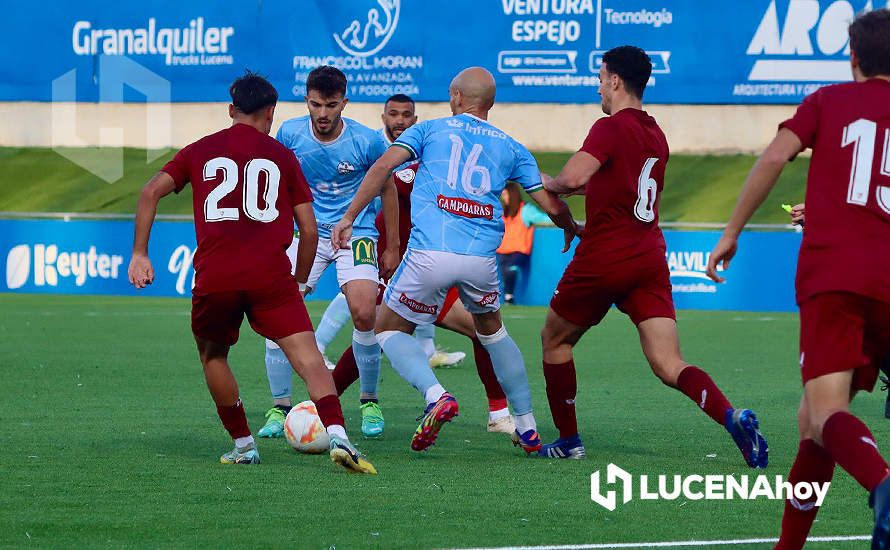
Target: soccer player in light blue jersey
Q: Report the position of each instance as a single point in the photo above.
(334, 153)
(465, 162)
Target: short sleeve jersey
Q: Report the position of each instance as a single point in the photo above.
(465, 163)
(846, 241)
(244, 188)
(335, 169)
(622, 197)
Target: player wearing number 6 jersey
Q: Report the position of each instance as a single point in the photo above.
(248, 190)
(621, 260)
(456, 228)
(843, 270)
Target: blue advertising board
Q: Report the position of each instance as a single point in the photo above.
(759, 51)
(91, 257)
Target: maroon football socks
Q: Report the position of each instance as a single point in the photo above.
(496, 398)
(853, 447)
(814, 465)
(698, 386)
(329, 411)
(561, 389)
(346, 371)
(234, 419)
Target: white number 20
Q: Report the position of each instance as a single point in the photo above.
(863, 134)
(647, 190)
(250, 200)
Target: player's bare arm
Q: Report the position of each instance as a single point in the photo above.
(372, 185)
(760, 181)
(140, 271)
(390, 258)
(574, 175)
(305, 218)
(559, 213)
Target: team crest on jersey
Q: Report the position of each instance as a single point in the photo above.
(406, 175)
(418, 307)
(345, 167)
(465, 207)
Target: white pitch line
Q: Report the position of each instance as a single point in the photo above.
(671, 544)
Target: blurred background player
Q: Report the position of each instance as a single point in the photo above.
(456, 227)
(621, 260)
(843, 270)
(515, 251)
(398, 114)
(334, 153)
(250, 194)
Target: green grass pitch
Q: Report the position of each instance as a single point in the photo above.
(110, 439)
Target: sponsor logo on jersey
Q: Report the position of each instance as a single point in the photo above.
(193, 44)
(406, 175)
(49, 265)
(372, 28)
(465, 207)
(345, 167)
(418, 307)
(489, 299)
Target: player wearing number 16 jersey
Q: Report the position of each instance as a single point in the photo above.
(843, 270)
(621, 260)
(248, 190)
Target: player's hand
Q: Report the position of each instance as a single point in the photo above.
(570, 233)
(140, 272)
(797, 214)
(389, 261)
(723, 252)
(341, 234)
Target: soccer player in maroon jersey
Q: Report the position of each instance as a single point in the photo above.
(248, 190)
(843, 270)
(621, 260)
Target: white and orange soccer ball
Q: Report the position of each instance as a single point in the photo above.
(304, 430)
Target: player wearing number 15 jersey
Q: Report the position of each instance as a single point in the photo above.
(248, 190)
(843, 270)
(621, 260)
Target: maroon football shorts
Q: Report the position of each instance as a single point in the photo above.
(840, 331)
(274, 311)
(450, 298)
(641, 288)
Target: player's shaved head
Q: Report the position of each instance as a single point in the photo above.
(474, 89)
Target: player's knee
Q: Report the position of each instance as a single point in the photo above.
(363, 320)
(803, 422)
(667, 371)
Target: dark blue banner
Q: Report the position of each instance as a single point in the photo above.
(91, 257)
(759, 51)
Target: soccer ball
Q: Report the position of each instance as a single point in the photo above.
(304, 430)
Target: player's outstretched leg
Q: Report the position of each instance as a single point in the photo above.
(425, 335)
(509, 366)
(812, 464)
(457, 319)
(362, 296)
(345, 372)
(557, 340)
(306, 360)
(279, 373)
(224, 390)
(661, 345)
(332, 321)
